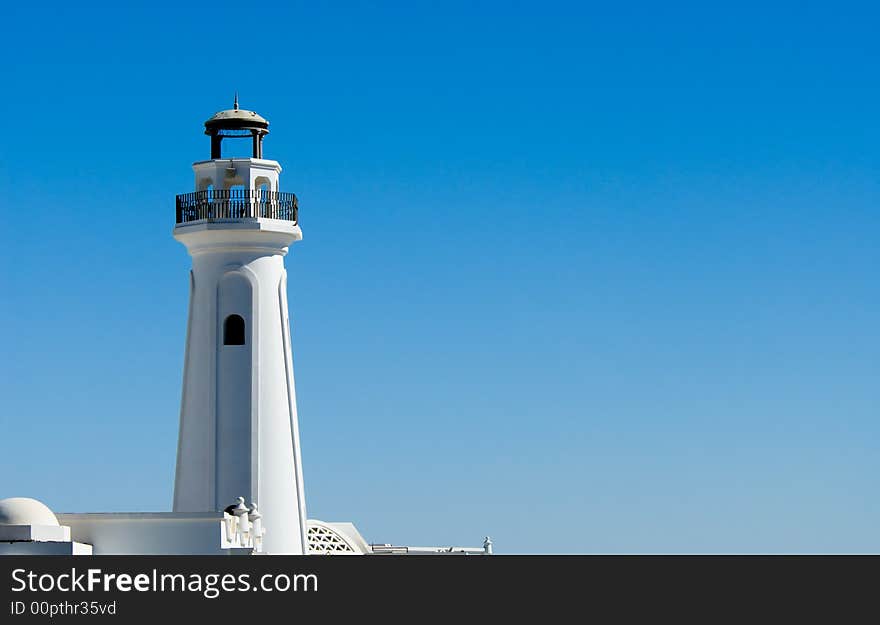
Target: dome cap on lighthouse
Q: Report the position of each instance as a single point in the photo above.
(236, 119)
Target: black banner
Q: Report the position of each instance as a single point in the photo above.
(452, 587)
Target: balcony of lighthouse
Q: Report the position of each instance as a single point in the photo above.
(236, 204)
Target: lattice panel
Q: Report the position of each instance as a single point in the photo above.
(325, 540)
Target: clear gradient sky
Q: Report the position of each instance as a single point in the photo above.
(587, 277)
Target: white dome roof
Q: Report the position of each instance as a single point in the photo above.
(25, 511)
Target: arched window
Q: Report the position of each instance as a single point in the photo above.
(262, 184)
(233, 330)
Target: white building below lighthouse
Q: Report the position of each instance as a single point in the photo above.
(238, 485)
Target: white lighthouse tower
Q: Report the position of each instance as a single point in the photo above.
(238, 424)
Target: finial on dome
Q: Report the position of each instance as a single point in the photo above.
(235, 102)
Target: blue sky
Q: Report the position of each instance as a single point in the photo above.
(587, 278)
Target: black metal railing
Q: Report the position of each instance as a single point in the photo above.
(236, 204)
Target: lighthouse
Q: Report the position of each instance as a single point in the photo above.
(238, 487)
(239, 435)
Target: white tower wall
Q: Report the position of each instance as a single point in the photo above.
(238, 424)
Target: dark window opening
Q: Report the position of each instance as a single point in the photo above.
(233, 330)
